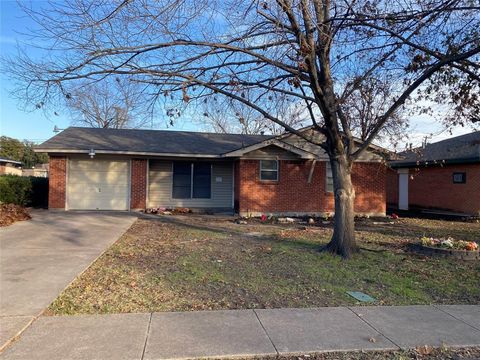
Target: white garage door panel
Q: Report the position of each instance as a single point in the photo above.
(104, 188)
(101, 191)
(100, 177)
(98, 184)
(98, 165)
(99, 204)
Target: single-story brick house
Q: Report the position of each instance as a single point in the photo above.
(442, 176)
(112, 169)
(10, 167)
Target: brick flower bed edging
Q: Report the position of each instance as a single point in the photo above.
(453, 253)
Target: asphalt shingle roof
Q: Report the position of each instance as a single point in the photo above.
(463, 148)
(148, 141)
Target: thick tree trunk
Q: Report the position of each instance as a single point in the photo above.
(343, 238)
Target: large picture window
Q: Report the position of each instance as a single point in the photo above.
(191, 180)
(269, 170)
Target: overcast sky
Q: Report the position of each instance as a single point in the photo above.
(37, 126)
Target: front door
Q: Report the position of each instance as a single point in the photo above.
(403, 190)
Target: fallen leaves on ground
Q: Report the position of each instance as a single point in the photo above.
(436, 354)
(195, 262)
(424, 350)
(10, 213)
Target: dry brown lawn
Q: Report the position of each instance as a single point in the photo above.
(191, 262)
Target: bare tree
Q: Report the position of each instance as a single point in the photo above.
(367, 103)
(262, 53)
(224, 115)
(109, 104)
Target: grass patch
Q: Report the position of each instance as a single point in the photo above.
(192, 263)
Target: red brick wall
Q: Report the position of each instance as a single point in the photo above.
(292, 193)
(138, 196)
(434, 188)
(369, 182)
(392, 187)
(57, 182)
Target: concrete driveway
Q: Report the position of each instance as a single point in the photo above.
(40, 257)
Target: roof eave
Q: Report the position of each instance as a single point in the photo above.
(275, 142)
(11, 161)
(424, 163)
(119, 152)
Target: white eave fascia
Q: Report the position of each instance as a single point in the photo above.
(134, 153)
(355, 139)
(274, 141)
(10, 161)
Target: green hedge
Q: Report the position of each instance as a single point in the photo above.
(24, 190)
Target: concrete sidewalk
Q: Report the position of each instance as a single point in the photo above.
(245, 333)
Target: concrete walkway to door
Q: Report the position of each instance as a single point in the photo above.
(40, 257)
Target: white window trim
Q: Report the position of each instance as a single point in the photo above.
(262, 169)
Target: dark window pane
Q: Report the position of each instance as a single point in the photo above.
(182, 167)
(329, 178)
(182, 180)
(268, 175)
(459, 178)
(268, 164)
(181, 192)
(202, 180)
(201, 192)
(201, 168)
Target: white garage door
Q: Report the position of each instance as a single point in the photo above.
(97, 185)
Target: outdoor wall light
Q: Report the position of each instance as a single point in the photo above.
(91, 153)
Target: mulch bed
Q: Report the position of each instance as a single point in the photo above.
(10, 213)
(452, 253)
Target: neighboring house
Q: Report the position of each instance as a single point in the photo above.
(39, 170)
(9, 166)
(250, 174)
(443, 176)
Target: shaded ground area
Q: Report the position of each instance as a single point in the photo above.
(177, 263)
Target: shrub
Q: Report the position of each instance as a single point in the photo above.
(15, 189)
(24, 190)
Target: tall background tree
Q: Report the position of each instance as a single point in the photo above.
(224, 115)
(21, 151)
(113, 103)
(322, 54)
